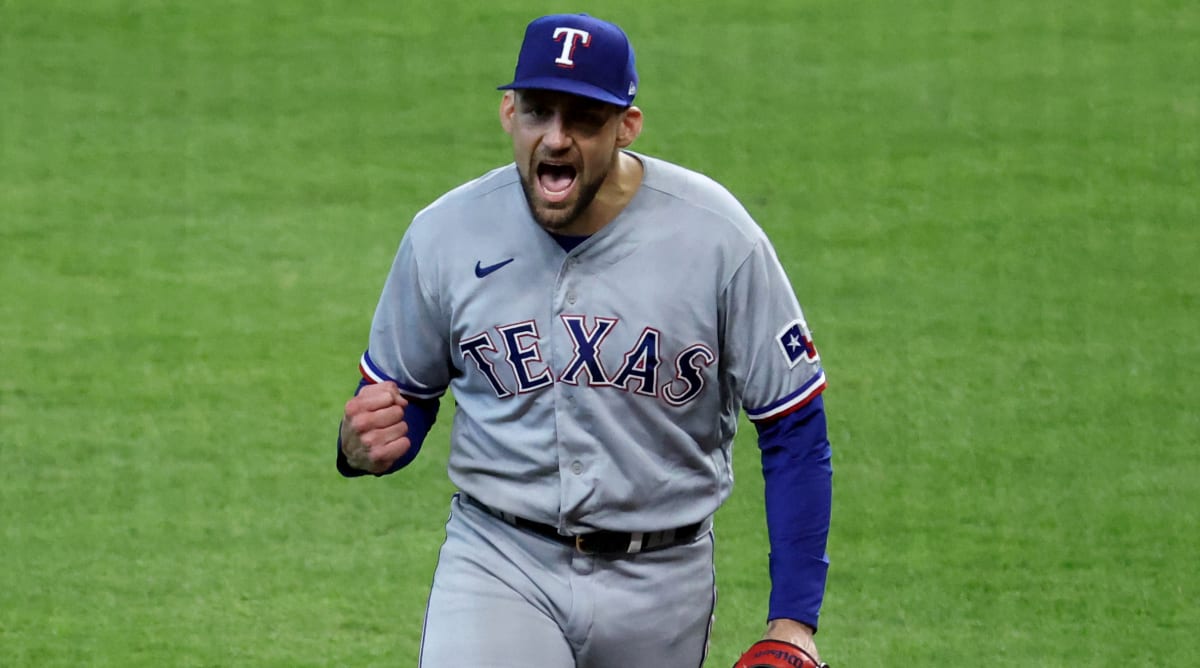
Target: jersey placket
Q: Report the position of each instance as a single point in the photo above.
(573, 459)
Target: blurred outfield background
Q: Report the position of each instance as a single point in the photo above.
(991, 212)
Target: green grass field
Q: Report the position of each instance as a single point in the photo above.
(990, 210)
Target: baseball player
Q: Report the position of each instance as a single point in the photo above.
(601, 317)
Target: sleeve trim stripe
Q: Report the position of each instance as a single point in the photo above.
(792, 402)
(369, 371)
(372, 374)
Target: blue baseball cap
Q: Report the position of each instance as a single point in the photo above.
(577, 54)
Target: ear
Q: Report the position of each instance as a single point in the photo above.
(508, 109)
(630, 128)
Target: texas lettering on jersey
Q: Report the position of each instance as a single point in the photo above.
(519, 346)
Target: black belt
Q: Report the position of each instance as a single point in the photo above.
(602, 542)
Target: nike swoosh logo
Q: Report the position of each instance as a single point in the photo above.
(480, 272)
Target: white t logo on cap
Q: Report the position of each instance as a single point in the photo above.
(573, 36)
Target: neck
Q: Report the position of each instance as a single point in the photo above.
(615, 193)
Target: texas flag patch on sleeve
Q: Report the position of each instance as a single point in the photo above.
(795, 340)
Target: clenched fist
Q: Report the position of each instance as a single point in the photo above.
(374, 434)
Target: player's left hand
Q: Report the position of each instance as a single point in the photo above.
(797, 633)
(786, 644)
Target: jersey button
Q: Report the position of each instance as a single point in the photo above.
(570, 297)
(576, 467)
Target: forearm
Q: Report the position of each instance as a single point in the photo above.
(798, 474)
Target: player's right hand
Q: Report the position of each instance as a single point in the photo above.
(374, 434)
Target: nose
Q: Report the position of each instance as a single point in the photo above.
(557, 138)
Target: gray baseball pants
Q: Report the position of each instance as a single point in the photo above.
(503, 597)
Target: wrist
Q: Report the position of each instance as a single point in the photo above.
(784, 625)
(792, 631)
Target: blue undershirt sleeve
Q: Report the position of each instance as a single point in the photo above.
(798, 472)
(420, 414)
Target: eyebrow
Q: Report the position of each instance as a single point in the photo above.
(575, 103)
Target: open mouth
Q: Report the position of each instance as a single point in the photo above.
(555, 180)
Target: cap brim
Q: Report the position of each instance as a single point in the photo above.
(568, 86)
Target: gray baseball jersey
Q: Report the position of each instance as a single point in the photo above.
(597, 388)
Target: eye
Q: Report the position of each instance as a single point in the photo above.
(537, 111)
(589, 122)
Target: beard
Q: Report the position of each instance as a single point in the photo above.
(556, 216)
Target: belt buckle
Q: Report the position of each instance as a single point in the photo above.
(579, 545)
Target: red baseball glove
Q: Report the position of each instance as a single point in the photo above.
(777, 654)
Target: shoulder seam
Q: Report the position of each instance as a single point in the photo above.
(503, 184)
